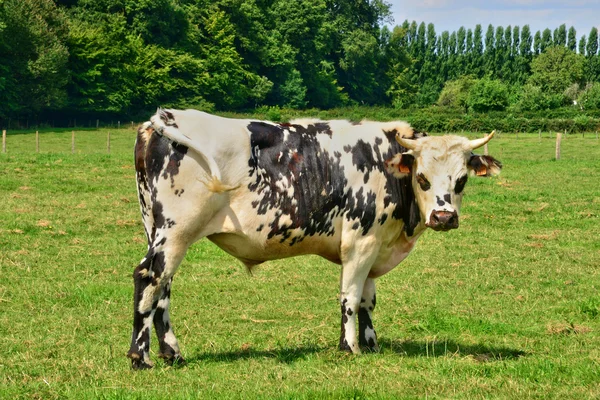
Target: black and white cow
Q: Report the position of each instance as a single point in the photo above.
(359, 195)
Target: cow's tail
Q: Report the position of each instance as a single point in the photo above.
(164, 123)
(143, 184)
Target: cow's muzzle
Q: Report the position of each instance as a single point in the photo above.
(443, 220)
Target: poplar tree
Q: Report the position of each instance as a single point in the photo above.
(477, 60)
(582, 45)
(560, 35)
(537, 43)
(546, 40)
(572, 39)
(592, 43)
(593, 59)
(500, 52)
(489, 55)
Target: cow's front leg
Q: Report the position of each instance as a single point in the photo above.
(169, 347)
(367, 338)
(354, 273)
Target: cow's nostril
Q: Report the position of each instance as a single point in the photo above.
(443, 220)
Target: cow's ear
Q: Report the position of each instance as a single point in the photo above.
(400, 165)
(484, 165)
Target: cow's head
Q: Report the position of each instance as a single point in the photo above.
(439, 168)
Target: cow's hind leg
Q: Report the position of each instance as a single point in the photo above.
(367, 338)
(169, 347)
(151, 279)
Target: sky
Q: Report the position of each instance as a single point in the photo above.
(538, 14)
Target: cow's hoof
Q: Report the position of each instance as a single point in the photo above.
(139, 365)
(345, 347)
(370, 347)
(173, 360)
(137, 362)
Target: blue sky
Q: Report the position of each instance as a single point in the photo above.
(538, 14)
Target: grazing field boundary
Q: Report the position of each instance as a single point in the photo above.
(91, 140)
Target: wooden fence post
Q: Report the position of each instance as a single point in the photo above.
(97, 123)
(118, 124)
(558, 139)
(540, 135)
(485, 149)
(73, 142)
(4, 140)
(108, 142)
(37, 141)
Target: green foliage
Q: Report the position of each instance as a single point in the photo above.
(456, 93)
(556, 69)
(125, 57)
(33, 71)
(488, 95)
(590, 97)
(532, 98)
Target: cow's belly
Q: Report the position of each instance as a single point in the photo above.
(251, 249)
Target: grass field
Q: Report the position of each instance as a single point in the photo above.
(507, 306)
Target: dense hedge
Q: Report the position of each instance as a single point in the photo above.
(440, 119)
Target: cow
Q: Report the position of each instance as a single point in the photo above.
(357, 194)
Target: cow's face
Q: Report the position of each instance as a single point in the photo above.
(439, 168)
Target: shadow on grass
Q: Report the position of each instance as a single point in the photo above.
(450, 348)
(284, 355)
(404, 348)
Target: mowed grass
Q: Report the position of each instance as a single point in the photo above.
(507, 306)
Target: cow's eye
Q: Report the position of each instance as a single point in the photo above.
(423, 182)
(460, 184)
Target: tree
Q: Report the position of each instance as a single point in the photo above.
(523, 60)
(556, 69)
(456, 92)
(582, 45)
(489, 55)
(592, 43)
(515, 50)
(460, 40)
(560, 35)
(537, 43)
(487, 95)
(33, 72)
(590, 96)
(526, 42)
(477, 61)
(572, 39)
(532, 98)
(400, 90)
(500, 52)
(546, 40)
(593, 60)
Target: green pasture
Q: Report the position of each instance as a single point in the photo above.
(507, 306)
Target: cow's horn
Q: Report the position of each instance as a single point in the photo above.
(476, 143)
(409, 144)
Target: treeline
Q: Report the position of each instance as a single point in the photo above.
(88, 58)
